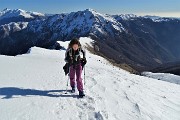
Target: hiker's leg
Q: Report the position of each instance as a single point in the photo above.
(78, 77)
(72, 76)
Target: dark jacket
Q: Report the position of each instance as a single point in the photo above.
(74, 57)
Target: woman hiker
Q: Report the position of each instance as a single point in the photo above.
(75, 64)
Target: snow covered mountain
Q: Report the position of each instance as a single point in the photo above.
(125, 16)
(160, 19)
(13, 27)
(8, 13)
(32, 86)
(81, 23)
(134, 40)
(45, 32)
(17, 15)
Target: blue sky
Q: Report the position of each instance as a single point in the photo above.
(139, 7)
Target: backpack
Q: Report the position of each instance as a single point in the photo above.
(79, 51)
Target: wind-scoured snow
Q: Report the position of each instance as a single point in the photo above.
(32, 87)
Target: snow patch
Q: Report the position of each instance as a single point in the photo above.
(163, 76)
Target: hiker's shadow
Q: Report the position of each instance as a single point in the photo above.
(9, 92)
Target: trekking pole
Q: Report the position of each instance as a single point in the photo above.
(84, 76)
(67, 82)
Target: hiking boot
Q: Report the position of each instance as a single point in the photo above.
(81, 94)
(73, 90)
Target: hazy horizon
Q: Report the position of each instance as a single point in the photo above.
(163, 8)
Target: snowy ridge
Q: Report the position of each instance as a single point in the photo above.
(79, 23)
(17, 26)
(13, 27)
(125, 16)
(36, 84)
(153, 18)
(8, 13)
(160, 19)
(105, 19)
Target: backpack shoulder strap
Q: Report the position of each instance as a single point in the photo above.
(81, 49)
(70, 52)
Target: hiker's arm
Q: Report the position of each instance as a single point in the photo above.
(84, 52)
(67, 57)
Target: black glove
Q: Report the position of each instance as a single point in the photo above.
(66, 68)
(70, 61)
(83, 62)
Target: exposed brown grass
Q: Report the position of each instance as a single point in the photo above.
(123, 66)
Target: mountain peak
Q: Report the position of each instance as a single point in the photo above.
(90, 10)
(6, 9)
(12, 10)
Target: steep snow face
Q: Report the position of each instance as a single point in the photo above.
(8, 13)
(36, 83)
(104, 22)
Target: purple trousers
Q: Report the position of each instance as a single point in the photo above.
(77, 69)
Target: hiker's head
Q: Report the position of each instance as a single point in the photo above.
(74, 44)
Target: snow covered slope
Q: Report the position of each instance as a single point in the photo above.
(32, 87)
(163, 76)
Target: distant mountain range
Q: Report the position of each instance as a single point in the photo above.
(171, 67)
(18, 15)
(140, 42)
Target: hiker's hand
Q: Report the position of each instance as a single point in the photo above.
(70, 61)
(66, 68)
(84, 61)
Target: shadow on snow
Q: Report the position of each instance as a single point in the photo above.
(9, 92)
